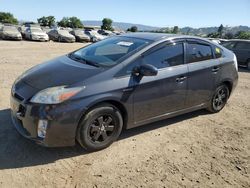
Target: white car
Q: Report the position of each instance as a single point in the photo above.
(95, 36)
(36, 34)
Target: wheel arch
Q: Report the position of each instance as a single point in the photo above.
(113, 102)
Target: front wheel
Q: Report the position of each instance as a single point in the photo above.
(219, 99)
(100, 127)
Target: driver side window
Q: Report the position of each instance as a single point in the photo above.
(166, 56)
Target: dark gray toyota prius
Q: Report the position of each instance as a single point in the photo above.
(125, 81)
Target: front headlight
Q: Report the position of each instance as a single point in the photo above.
(55, 95)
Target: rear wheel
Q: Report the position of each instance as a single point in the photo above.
(219, 99)
(100, 127)
(248, 64)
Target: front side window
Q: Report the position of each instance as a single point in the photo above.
(229, 45)
(167, 56)
(108, 52)
(198, 52)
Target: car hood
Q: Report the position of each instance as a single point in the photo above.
(12, 33)
(58, 72)
(39, 33)
(66, 35)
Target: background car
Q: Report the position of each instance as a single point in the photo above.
(95, 36)
(80, 35)
(10, 32)
(241, 48)
(36, 34)
(105, 32)
(61, 36)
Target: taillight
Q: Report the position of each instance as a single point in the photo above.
(235, 62)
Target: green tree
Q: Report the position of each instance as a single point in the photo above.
(175, 30)
(243, 35)
(107, 24)
(72, 22)
(213, 35)
(133, 29)
(229, 35)
(220, 30)
(6, 17)
(46, 21)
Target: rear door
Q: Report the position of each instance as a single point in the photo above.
(203, 72)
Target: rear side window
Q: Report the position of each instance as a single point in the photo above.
(198, 52)
(167, 56)
(243, 46)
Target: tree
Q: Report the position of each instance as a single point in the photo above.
(132, 29)
(243, 35)
(107, 24)
(72, 22)
(175, 30)
(220, 30)
(46, 21)
(229, 35)
(213, 35)
(6, 17)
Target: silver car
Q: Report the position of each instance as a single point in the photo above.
(36, 34)
(80, 35)
(10, 32)
(95, 36)
(61, 36)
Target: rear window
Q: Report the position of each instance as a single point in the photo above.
(198, 52)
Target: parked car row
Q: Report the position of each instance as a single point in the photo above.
(36, 33)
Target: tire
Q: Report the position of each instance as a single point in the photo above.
(219, 99)
(248, 64)
(100, 127)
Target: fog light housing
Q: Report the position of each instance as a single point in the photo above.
(42, 128)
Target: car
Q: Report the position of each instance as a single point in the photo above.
(80, 35)
(89, 95)
(61, 35)
(8, 32)
(36, 34)
(242, 50)
(94, 35)
(105, 32)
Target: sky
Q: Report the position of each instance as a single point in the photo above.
(161, 13)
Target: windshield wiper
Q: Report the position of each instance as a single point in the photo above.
(83, 60)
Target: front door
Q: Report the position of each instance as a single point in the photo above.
(156, 96)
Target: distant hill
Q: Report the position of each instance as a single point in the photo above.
(206, 30)
(121, 25)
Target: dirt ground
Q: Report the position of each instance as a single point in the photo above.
(193, 150)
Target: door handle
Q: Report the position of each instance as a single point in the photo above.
(181, 79)
(215, 69)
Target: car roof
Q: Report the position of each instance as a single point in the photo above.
(238, 40)
(149, 36)
(160, 36)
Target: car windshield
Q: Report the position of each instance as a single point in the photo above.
(63, 32)
(9, 28)
(108, 52)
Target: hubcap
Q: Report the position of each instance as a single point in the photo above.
(220, 99)
(101, 128)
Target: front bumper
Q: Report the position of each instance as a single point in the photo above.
(62, 122)
(12, 37)
(39, 38)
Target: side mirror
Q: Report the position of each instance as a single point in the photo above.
(145, 70)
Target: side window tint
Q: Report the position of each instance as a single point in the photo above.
(170, 55)
(243, 45)
(198, 52)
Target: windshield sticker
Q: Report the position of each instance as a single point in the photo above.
(217, 50)
(124, 43)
